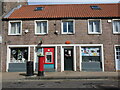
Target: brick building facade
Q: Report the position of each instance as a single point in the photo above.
(80, 50)
(5, 8)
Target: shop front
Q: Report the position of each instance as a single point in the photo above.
(18, 58)
(48, 56)
(91, 58)
(64, 57)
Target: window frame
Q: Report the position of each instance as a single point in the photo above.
(67, 30)
(113, 26)
(9, 27)
(36, 27)
(100, 26)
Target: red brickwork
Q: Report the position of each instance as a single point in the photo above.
(81, 36)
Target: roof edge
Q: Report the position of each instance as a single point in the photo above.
(6, 19)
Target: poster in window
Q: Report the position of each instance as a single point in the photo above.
(90, 51)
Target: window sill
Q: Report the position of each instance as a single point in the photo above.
(41, 34)
(95, 33)
(116, 33)
(68, 33)
(14, 34)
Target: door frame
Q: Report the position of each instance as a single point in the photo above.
(62, 57)
(115, 57)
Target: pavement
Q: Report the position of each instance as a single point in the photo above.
(5, 76)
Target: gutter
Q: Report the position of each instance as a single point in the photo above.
(59, 18)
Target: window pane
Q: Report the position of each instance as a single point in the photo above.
(13, 31)
(90, 54)
(116, 26)
(94, 26)
(18, 27)
(64, 26)
(44, 27)
(38, 27)
(91, 26)
(97, 26)
(70, 27)
(19, 55)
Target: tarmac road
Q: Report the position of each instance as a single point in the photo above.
(85, 83)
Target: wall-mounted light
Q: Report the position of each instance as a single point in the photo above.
(109, 21)
(56, 32)
(26, 31)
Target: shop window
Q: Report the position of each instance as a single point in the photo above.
(90, 54)
(40, 52)
(19, 55)
(91, 59)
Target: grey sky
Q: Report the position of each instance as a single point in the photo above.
(70, 1)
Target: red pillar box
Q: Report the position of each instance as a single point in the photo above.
(41, 66)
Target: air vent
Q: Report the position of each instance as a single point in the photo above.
(39, 8)
(95, 7)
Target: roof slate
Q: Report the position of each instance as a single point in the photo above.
(66, 11)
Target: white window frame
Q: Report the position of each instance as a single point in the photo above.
(9, 27)
(113, 26)
(36, 27)
(100, 26)
(67, 27)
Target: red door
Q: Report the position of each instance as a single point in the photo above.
(49, 60)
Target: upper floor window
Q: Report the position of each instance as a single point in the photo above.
(94, 27)
(67, 27)
(41, 27)
(116, 26)
(15, 28)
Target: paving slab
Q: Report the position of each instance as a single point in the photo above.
(61, 75)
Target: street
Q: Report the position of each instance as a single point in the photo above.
(83, 83)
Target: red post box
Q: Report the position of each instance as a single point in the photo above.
(41, 66)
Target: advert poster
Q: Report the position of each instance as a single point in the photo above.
(90, 51)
